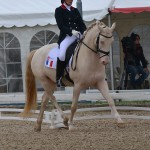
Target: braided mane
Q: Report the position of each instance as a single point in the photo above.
(89, 28)
(92, 25)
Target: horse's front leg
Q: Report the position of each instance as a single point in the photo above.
(103, 87)
(76, 93)
(45, 99)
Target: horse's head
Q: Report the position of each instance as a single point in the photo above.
(103, 41)
(99, 38)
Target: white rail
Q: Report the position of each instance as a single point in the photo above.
(54, 118)
(92, 95)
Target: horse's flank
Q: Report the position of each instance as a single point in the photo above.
(37, 64)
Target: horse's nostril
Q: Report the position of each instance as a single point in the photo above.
(104, 62)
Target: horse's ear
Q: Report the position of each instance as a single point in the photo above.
(98, 22)
(102, 24)
(113, 26)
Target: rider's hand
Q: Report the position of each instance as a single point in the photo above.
(75, 33)
(146, 70)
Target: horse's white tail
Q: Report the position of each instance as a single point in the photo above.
(31, 94)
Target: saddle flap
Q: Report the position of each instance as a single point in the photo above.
(70, 51)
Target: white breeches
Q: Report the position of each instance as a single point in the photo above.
(65, 44)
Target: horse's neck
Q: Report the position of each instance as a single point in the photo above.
(87, 57)
(87, 46)
(89, 39)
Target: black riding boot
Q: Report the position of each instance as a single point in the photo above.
(59, 72)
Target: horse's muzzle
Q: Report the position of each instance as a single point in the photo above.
(105, 60)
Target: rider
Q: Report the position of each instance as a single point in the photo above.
(71, 27)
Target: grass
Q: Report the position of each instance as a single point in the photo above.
(67, 105)
(87, 104)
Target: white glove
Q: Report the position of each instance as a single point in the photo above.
(75, 33)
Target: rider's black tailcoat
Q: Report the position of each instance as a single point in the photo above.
(68, 21)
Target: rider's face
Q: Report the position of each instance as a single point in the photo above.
(137, 41)
(69, 2)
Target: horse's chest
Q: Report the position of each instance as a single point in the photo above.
(91, 79)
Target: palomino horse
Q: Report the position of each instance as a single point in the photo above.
(87, 70)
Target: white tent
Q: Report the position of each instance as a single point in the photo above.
(35, 12)
(30, 13)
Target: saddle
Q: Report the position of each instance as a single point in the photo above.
(51, 61)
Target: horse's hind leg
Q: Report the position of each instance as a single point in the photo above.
(45, 99)
(103, 87)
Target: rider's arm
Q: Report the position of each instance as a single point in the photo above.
(60, 22)
(81, 23)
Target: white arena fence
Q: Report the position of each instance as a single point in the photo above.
(89, 95)
(54, 120)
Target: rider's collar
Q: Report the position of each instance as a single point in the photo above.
(64, 6)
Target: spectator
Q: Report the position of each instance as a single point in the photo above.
(137, 64)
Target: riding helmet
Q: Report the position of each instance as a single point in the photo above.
(62, 1)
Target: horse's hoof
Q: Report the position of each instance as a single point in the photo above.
(71, 128)
(65, 127)
(65, 121)
(37, 129)
(53, 127)
(59, 126)
(121, 124)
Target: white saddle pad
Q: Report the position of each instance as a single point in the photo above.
(51, 59)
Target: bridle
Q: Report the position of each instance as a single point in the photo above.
(98, 50)
(97, 45)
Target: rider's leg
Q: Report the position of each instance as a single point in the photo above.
(59, 71)
(143, 75)
(61, 59)
(133, 72)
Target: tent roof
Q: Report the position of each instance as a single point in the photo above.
(131, 6)
(35, 12)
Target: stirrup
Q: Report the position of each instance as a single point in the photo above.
(59, 83)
